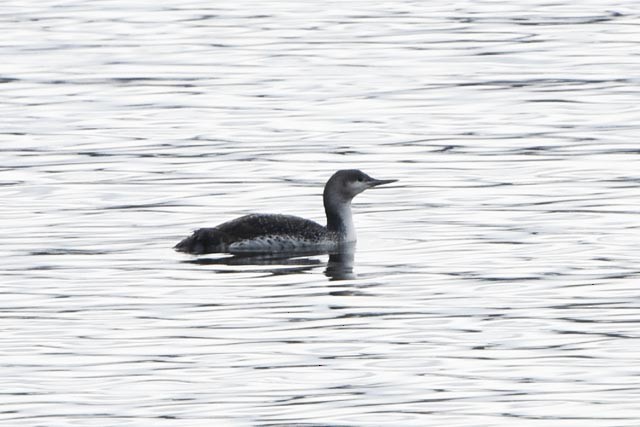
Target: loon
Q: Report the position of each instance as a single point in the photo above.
(272, 233)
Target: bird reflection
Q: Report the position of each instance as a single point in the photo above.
(338, 267)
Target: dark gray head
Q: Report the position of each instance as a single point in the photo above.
(344, 185)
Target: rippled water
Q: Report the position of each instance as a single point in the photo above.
(496, 284)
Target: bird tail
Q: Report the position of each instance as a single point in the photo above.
(202, 241)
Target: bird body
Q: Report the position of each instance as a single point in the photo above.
(270, 233)
(258, 233)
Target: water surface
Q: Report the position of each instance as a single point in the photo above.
(494, 285)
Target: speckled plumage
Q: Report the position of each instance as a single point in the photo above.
(258, 233)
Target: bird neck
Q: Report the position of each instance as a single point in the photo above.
(339, 219)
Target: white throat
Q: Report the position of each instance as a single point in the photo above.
(348, 230)
(340, 220)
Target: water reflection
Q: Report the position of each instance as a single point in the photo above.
(338, 267)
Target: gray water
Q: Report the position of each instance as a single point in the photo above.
(495, 284)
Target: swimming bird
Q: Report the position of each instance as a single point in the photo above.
(273, 233)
